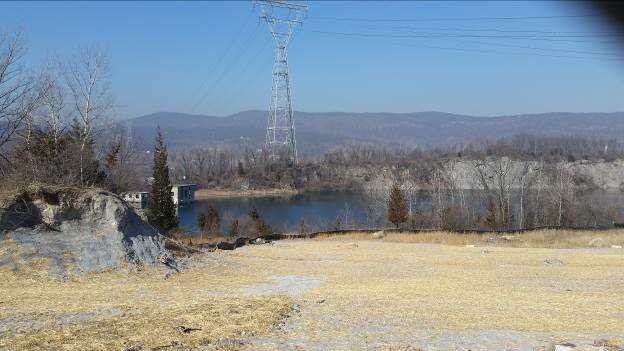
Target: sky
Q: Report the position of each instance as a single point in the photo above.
(215, 58)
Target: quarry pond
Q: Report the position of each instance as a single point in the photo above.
(317, 209)
(327, 210)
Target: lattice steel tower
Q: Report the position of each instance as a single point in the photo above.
(281, 17)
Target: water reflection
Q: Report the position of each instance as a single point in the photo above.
(317, 209)
(328, 210)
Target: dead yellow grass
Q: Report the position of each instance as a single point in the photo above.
(406, 288)
(7, 194)
(452, 288)
(444, 238)
(199, 240)
(559, 239)
(114, 311)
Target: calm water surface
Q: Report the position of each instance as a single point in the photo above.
(317, 209)
(326, 210)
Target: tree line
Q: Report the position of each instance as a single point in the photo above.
(507, 195)
(346, 167)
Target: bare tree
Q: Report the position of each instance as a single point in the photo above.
(126, 165)
(539, 185)
(200, 160)
(378, 193)
(438, 186)
(53, 109)
(17, 89)
(50, 119)
(495, 177)
(87, 79)
(562, 189)
(525, 178)
(410, 189)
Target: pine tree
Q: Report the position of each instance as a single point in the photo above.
(337, 224)
(240, 169)
(234, 228)
(201, 221)
(161, 209)
(261, 227)
(490, 220)
(397, 209)
(111, 160)
(302, 227)
(111, 163)
(213, 221)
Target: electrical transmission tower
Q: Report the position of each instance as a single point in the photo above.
(281, 17)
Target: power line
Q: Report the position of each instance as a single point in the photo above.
(612, 55)
(456, 35)
(219, 60)
(247, 79)
(427, 36)
(517, 36)
(242, 51)
(503, 52)
(354, 19)
(469, 49)
(455, 29)
(452, 35)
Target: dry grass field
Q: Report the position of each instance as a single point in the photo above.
(338, 293)
(549, 238)
(198, 240)
(136, 311)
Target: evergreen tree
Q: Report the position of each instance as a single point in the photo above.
(213, 221)
(234, 228)
(261, 227)
(302, 227)
(490, 220)
(161, 209)
(112, 156)
(240, 170)
(337, 224)
(397, 209)
(112, 166)
(201, 221)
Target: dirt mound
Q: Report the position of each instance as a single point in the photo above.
(78, 230)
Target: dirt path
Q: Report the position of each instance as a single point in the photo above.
(388, 296)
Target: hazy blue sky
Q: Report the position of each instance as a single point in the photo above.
(215, 58)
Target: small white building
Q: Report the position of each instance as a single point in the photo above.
(183, 193)
(138, 199)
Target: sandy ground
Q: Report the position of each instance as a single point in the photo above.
(331, 295)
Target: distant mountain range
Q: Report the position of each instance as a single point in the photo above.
(318, 132)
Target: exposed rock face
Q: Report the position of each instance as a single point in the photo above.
(463, 174)
(71, 230)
